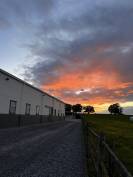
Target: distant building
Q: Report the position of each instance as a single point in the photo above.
(20, 98)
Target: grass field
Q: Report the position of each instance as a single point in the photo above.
(118, 130)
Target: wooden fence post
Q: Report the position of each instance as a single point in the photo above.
(105, 161)
(111, 163)
(87, 134)
(99, 154)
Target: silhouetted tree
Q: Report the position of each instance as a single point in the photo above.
(115, 109)
(68, 109)
(89, 109)
(77, 108)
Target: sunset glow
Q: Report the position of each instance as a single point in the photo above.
(80, 52)
(96, 87)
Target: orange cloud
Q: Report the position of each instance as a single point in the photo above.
(89, 78)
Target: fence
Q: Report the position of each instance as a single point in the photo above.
(101, 160)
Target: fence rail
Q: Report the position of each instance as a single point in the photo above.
(102, 161)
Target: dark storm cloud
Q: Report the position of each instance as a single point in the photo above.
(95, 35)
(76, 37)
(61, 39)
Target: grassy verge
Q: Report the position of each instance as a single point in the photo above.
(118, 131)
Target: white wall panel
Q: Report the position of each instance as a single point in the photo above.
(13, 89)
(9, 90)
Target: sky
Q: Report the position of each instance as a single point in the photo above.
(78, 51)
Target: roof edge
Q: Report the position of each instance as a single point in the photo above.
(26, 83)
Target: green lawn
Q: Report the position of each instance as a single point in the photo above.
(118, 130)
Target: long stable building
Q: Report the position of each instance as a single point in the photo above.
(20, 98)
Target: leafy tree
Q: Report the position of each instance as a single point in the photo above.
(115, 109)
(89, 109)
(68, 108)
(77, 108)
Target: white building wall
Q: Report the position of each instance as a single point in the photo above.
(45, 105)
(56, 106)
(31, 96)
(17, 90)
(63, 109)
(9, 90)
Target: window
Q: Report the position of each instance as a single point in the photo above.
(12, 107)
(27, 109)
(55, 112)
(37, 109)
(51, 111)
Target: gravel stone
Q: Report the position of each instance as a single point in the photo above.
(46, 150)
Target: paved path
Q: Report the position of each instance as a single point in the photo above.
(48, 150)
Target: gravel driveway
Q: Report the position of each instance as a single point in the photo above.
(47, 150)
